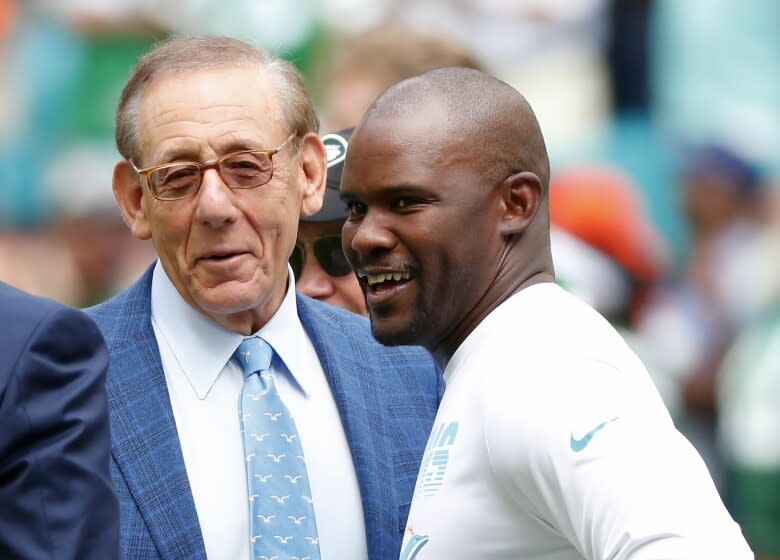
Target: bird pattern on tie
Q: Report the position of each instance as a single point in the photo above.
(282, 522)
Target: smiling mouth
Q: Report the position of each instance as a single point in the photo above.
(383, 282)
(375, 279)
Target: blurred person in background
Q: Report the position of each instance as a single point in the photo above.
(607, 252)
(65, 62)
(321, 270)
(87, 224)
(35, 261)
(380, 57)
(7, 16)
(110, 36)
(552, 50)
(712, 80)
(36, 53)
(749, 402)
(693, 319)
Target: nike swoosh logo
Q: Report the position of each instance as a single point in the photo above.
(578, 445)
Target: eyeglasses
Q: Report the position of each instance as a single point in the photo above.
(240, 170)
(327, 251)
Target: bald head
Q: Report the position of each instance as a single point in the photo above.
(446, 179)
(474, 109)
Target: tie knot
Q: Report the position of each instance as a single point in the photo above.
(255, 355)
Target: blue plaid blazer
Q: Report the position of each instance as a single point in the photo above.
(387, 398)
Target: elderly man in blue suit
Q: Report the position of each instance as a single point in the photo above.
(56, 499)
(212, 350)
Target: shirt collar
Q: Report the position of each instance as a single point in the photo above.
(203, 348)
(285, 333)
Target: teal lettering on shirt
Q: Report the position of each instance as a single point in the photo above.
(413, 546)
(436, 458)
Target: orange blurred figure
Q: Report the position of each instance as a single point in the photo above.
(601, 207)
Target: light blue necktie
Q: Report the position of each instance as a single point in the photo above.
(281, 516)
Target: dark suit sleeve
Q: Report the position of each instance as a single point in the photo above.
(56, 496)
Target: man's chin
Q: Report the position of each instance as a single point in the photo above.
(227, 298)
(390, 334)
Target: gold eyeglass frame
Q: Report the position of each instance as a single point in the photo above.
(213, 164)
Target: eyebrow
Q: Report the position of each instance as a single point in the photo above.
(178, 153)
(195, 155)
(394, 190)
(237, 142)
(227, 144)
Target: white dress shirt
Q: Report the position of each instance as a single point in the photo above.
(204, 386)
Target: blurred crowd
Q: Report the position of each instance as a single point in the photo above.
(661, 119)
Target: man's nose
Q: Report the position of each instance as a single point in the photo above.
(216, 202)
(314, 281)
(371, 234)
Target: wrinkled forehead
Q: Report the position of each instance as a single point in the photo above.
(219, 103)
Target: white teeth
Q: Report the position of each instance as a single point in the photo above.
(373, 279)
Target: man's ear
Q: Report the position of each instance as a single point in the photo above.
(522, 195)
(314, 163)
(129, 195)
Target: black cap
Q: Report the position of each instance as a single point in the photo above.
(332, 207)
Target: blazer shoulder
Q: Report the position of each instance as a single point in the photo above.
(41, 325)
(125, 313)
(27, 312)
(20, 308)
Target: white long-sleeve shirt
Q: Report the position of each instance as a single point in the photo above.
(551, 443)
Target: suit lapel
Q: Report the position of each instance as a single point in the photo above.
(356, 392)
(145, 444)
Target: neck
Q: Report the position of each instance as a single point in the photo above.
(508, 281)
